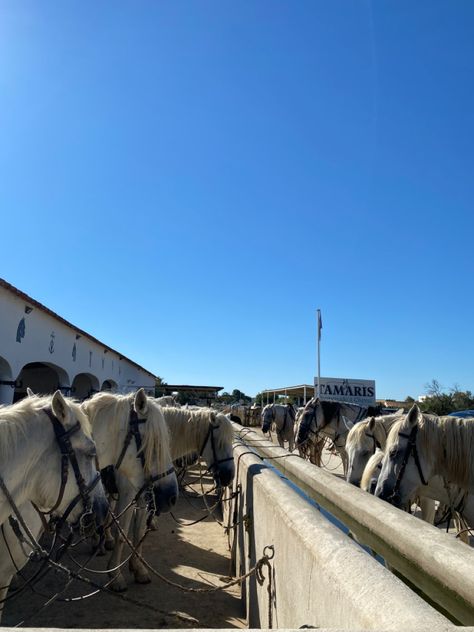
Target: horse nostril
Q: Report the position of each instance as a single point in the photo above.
(173, 500)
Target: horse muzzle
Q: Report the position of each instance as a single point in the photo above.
(224, 475)
(387, 493)
(165, 496)
(100, 510)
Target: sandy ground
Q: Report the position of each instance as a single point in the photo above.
(195, 556)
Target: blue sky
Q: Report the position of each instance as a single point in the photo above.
(189, 181)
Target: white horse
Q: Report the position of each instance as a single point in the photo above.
(205, 433)
(311, 450)
(420, 447)
(31, 464)
(362, 441)
(282, 416)
(143, 472)
(333, 420)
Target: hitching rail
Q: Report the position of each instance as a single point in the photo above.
(441, 567)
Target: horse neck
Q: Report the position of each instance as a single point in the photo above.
(280, 413)
(20, 468)
(187, 432)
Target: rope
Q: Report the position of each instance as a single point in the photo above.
(258, 565)
(179, 615)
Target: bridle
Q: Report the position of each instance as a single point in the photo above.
(68, 455)
(307, 423)
(210, 437)
(409, 450)
(108, 473)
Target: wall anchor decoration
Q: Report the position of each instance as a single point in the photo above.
(20, 332)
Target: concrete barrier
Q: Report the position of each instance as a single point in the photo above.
(441, 567)
(319, 577)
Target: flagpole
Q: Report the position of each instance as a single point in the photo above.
(319, 350)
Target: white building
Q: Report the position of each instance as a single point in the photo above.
(41, 350)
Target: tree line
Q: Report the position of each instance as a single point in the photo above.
(442, 401)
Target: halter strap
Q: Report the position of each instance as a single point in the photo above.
(133, 432)
(411, 448)
(376, 442)
(215, 461)
(69, 456)
(108, 473)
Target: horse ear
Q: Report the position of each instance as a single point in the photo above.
(29, 392)
(140, 403)
(60, 408)
(213, 417)
(412, 417)
(371, 424)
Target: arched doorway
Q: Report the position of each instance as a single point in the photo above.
(43, 378)
(84, 385)
(6, 390)
(109, 385)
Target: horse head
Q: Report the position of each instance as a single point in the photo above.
(158, 466)
(404, 468)
(360, 446)
(217, 449)
(72, 459)
(307, 422)
(268, 417)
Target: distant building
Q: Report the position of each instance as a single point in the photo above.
(42, 350)
(192, 394)
(395, 404)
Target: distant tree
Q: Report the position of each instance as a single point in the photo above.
(440, 402)
(409, 400)
(159, 382)
(433, 388)
(233, 398)
(261, 399)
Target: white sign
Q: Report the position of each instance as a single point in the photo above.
(361, 392)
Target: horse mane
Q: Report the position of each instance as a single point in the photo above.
(369, 470)
(188, 428)
(447, 442)
(357, 432)
(115, 409)
(16, 419)
(329, 410)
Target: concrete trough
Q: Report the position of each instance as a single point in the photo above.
(320, 577)
(439, 566)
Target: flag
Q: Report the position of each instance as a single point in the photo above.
(320, 324)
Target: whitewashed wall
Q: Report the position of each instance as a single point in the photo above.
(39, 337)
